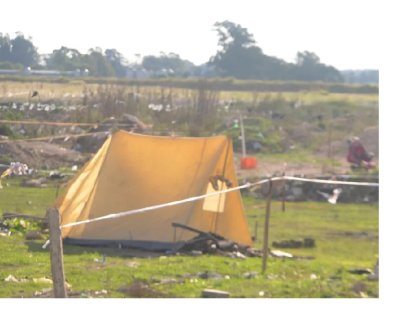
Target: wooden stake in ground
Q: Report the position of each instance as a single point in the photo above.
(283, 195)
(56, 249)
(266, 226)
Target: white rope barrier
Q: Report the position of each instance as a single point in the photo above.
(163, 205)
(200, 197)
(322, 181)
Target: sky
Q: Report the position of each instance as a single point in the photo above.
(342, 33)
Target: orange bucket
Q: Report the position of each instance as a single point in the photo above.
(248, 162)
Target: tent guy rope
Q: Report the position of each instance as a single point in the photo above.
(200, 197)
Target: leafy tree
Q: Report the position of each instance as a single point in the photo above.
(18, 50)
(98, 64)
(67, 59)
(309, 67)
(239, 56)
(5, 48)
(117, 61)
(170, 63)
(23, 51)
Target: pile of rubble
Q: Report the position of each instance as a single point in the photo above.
(308, 191)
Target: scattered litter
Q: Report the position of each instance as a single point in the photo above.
(168, 281)
(313, 277)
(280, 254)
(209, 275)
(211, 243)
(11, 279)
(333, 196)
(101, 260)
(35, 182)
(101, 292)
(132, 264)
(361, 271)
(56, 175)
(261, 293)
(42, 280)
(359, 288)
(375, 274)
(292, 243)
(46, 244)
(15, 169)
(34, 235)
(140, 289)
(210, 293)
(250, 275)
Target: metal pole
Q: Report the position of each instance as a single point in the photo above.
(266, 226)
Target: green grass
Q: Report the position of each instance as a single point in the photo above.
(346, 237)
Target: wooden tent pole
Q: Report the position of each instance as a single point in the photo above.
(56, 250)
(266, 226)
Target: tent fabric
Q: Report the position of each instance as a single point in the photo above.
(133, 171)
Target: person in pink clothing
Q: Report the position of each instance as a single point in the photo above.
(357, 155)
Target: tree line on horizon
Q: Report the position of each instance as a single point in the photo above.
(238, 56)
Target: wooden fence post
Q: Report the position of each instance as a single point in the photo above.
(56, 250)
(283, 195)
(266, 226)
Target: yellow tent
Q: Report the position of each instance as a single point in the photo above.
(132, 171)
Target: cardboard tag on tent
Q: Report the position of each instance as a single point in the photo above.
(215, 203)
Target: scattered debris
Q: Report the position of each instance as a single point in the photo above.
(132, 264)
(280, 254)
(375, 274)
(101, 292)
(56, 175)
(331, 196)
(101, 260)
(168, 281)
(209, 275)
(361, 271)
(15, 169)
(292, 243)
(42, 280)
(211, 243)
(210, 293)
(11, 279)
(250, 275)
(359, 288)
(361, 234)
(313, 277)
(34, 235)
(37, 182)
(140, 289)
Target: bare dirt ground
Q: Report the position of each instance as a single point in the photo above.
(41, 155)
